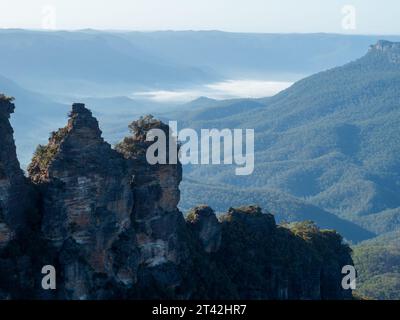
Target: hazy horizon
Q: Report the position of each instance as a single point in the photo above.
(201, 30)
(359, 17)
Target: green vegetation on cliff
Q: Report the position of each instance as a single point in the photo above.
(6, 98)
(45, 154)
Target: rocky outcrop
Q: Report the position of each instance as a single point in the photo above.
(108, 221)
(161, 231)
(206, 226)
(386, 50)
(156, 193)
(15, 197)
(18, 215)
(87, 203)
(267, 261)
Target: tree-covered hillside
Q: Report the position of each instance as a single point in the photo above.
(378, 266)
(285, 207)
(332, 139)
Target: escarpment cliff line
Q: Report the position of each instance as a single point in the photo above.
(108, 221)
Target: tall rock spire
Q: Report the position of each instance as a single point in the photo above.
(14, 194)
(87, 202)
(160, 226)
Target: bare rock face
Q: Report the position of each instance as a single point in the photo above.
(205, 224)
(160, 226)
(87, 203)
(389, 51)
(14, 190)
(18, 214)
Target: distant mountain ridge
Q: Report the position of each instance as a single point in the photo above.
(90, 62)
(330, 139)
(258, 54)
(83, 62)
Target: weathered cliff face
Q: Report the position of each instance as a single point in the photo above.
(87, 203)
(18, 215)
(205, 225)
(389, 51)
(14, 190)
(273, 262)
(108, 221)
(156, 194)
(160, 227)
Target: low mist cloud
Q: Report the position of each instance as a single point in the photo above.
(219, 90)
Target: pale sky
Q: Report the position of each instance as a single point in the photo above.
(371, 16)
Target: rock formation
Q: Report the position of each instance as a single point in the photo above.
(267, 261)
(87, 203)
(14, 190)
(206, 226)
(18, 214)
(108, 221)
(156, 194)
(386, 50)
